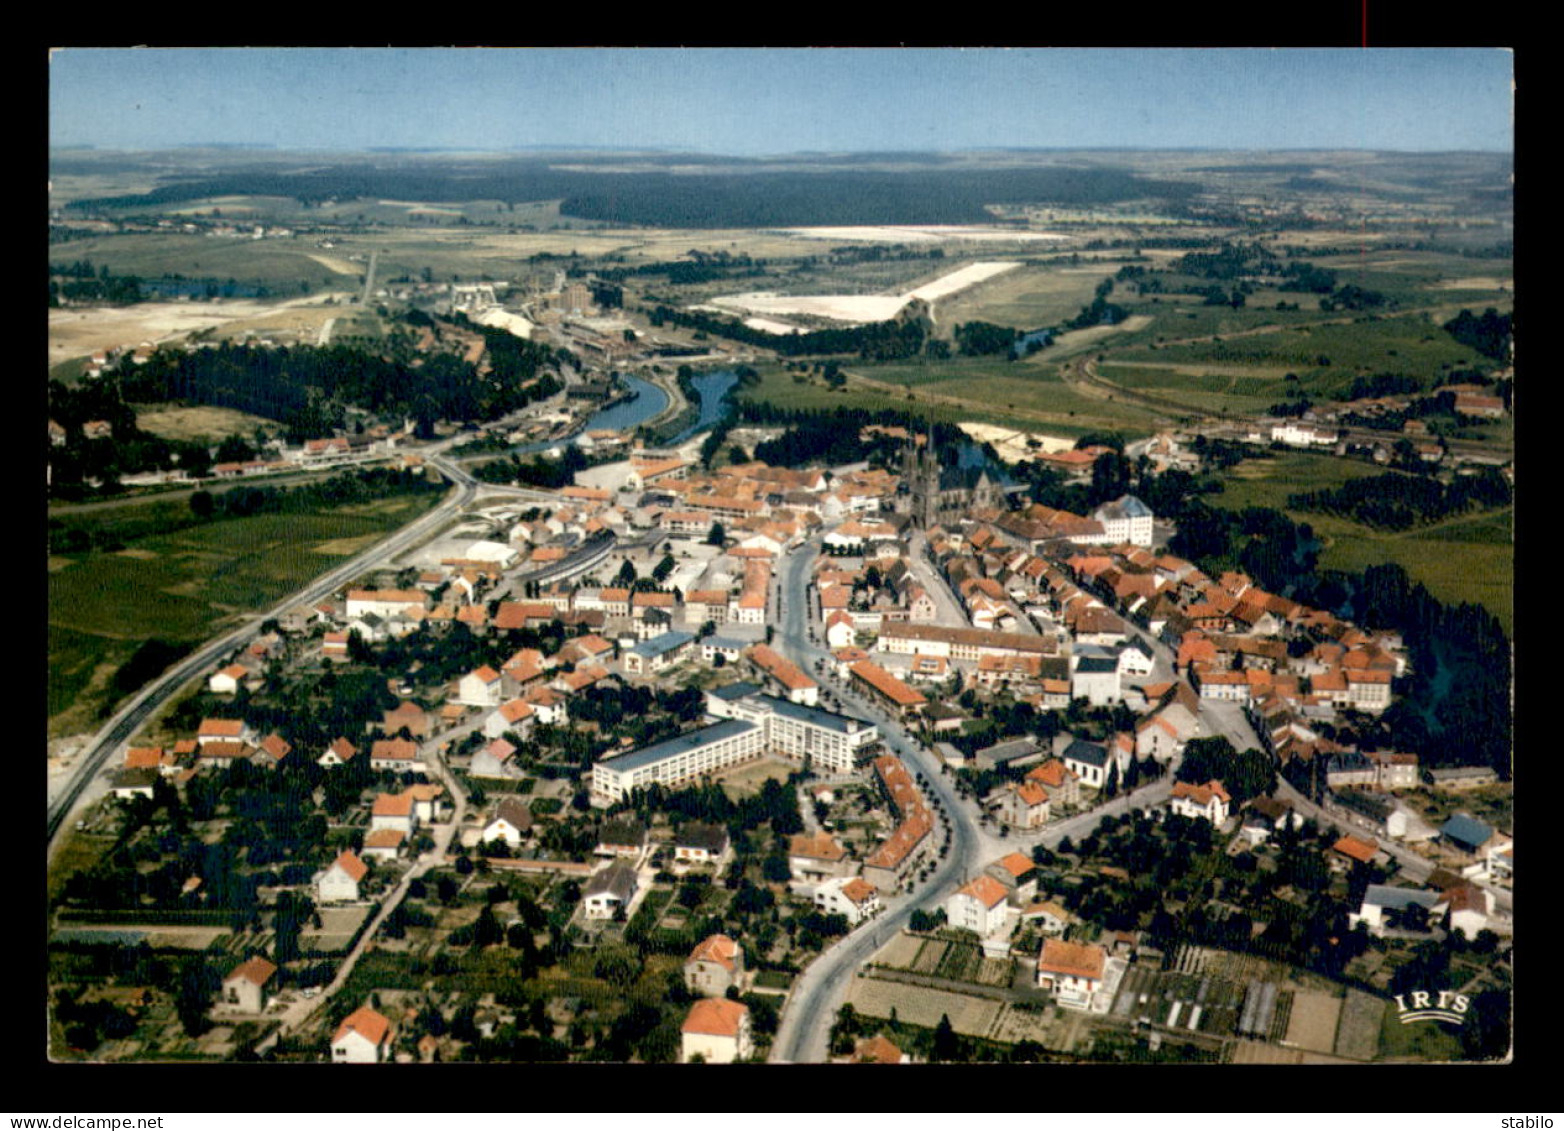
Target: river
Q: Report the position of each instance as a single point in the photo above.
(649, 401)
(712, 389)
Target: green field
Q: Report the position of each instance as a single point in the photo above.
(1325, 356)
(186, 585)
(1469, 558)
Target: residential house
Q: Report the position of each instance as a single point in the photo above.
(817, 857)
(511, 823)
(717, 1031)
(338, 753)
(609, 892)
(245, 988)
(852, 896)
(393, 811)
(364, 1037)
(397, 755)
(1073, 973)
(1024, 805)
(339, 882)
(702, 845)
(1209, 801)
(625, 839)
(1386, 908)
(716, 963)
(981, 906)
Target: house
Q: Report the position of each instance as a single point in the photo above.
(1351, 849)
(339, 883)
(658, 653)
(981, 906)
(878, 1050)
(1210, 801)
(339, 752)
(224, 730)
(481, 688)
(1050, 916)
(1466, 834)
(272, 750)
(512, 821)
(383, 844)
(1386, 908)
(516, 716)
(702, 844)
(134, 783)
(852, 896)
(621, 838)
(227, 680)
(495, 760)
(245, 987)
(1088, 761)
(396, 754)
(1469, 907)
(1018, 874)
(715, 964)
(364, 1037)
(1126, 519)
(1267, 815)
(609, 891)
(1062, 783)
(1073, 972)
(817, 857)
(393, 811)
(717, 1031)
(1024, 805)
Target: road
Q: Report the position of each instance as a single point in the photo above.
(88, 781)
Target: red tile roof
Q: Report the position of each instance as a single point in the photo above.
(257, 971)
(715, 1016)
(368, 1024)
(719, 949)
(1083, 960)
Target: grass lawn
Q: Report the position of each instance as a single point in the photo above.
(185, 585)
(1421, 1040)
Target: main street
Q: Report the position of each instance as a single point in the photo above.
(817, 993)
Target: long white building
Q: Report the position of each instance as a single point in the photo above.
(748, 725)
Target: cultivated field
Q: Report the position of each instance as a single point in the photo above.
(1312, 1024)
(923, 233)
(183, 586)
(917, 1005)
(855, 308)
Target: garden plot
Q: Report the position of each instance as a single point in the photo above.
(917, 1005)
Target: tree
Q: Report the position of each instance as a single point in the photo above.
(717, 535)
(947, 1046)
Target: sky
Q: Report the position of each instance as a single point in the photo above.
(767, 101)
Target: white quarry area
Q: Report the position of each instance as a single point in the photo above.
(505, 320)
(849, 308)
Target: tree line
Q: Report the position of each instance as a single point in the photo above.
(1400, 502)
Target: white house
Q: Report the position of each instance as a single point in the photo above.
(1088, 761)
(718, 1031)
(364, 1037)
(481, 688)
(1126, 519)
(716, 963)
(1073, 972)
(981, 907)
(339, 883)
(245, 988)
(1210, 801)
(227, 680)
(608, 891)
(512, 821)
(853, 897)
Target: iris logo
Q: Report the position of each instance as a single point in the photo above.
(1451, 1007)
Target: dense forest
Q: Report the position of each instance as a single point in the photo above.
(1490, 335)
(306, 387)
(698, 200)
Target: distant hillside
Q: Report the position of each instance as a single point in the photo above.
(701, 200)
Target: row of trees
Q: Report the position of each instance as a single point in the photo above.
(1399, 502)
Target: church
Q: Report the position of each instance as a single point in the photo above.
(932, 495)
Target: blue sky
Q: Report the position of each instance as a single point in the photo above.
(775, 101)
